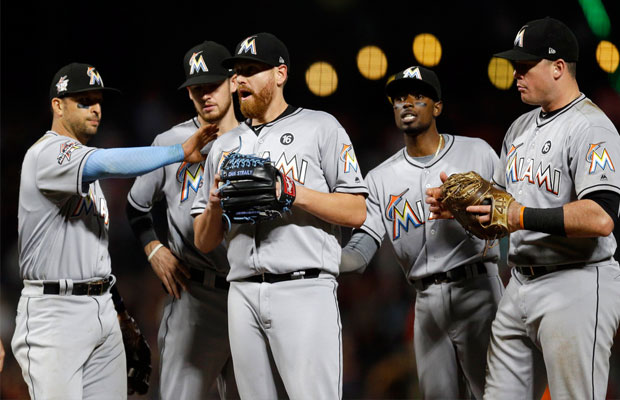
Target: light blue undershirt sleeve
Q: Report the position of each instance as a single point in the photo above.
(129, 162)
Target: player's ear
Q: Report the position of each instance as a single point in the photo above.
(189, 92)
(281, 74)
(232, 84)
(559, 67)
(437, 108)
(57, 106)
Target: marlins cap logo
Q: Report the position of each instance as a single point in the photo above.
(94, 77)
(519, 38)
(197, 63)
(62, 84)
(412, 72)
(249, 44)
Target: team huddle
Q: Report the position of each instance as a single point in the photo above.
(254, 212)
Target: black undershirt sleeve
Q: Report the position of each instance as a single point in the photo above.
(608, 200)
(141, 224)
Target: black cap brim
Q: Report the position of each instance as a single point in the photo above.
(517, 55)
(203, 79)
(230, 62)
(425, 87)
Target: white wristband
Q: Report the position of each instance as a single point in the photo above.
(159, 246)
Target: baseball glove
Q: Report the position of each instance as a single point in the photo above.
(138, 355)
(460, 191)
(249, 192)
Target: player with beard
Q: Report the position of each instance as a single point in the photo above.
(284, 322)
(193, 335)
(456, 280)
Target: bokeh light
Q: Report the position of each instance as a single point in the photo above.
(607, 56)
(427, 49)
(500, 73)
(321, 79)
(371, 62)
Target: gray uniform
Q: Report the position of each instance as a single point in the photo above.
(452, 320)
(295, 322)
(63, 240)
(193, 334)
(572, 315)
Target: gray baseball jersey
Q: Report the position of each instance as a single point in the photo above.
(299, 319)
(63, 237)
(178, 183)
(193, 334)
(452, 320)
(314, 150)
(548, 162)
(62, 224)
(570, 314)
(396, 208)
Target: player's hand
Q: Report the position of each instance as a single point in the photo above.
(514, 215)
(195, 143)
(215, 195)
(170, 271)
(433, 199)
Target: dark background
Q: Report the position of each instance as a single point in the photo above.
(138, 47)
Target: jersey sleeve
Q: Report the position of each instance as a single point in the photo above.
(374, 218)
(593, 153)
(202, 196)
(59, 168)
(147, 188)
(339, 162)
(499, 171)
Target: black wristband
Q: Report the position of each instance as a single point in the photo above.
(546, 220)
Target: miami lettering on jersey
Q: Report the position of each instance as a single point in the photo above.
(88, 205)
(347, 155)
(291, 168)
(521, 170)
(66, 149)
(597, 160)
(189, 180)
(94, 76)
(401, 218)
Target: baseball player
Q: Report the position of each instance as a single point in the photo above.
(556, 322)
(67, 339)
(455, 276)
(283, 316)
(193, 334)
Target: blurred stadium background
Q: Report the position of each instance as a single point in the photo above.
(342, 54)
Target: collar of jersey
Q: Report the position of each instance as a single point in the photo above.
(413, 160)
(290, 110)
(541, 121)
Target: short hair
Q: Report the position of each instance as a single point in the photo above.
(572, 68)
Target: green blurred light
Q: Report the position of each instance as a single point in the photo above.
(614, 79)
(597, 17)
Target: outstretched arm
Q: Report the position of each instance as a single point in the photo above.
(134, 161)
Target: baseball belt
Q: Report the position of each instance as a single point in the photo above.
(454, 275)
(208, 279)
(91, 288)
(534, 271)
(275, 278)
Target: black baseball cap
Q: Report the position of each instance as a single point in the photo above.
(77, 78)
(263, 47)
(545, 38)
(415, 77)
(203, 64)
